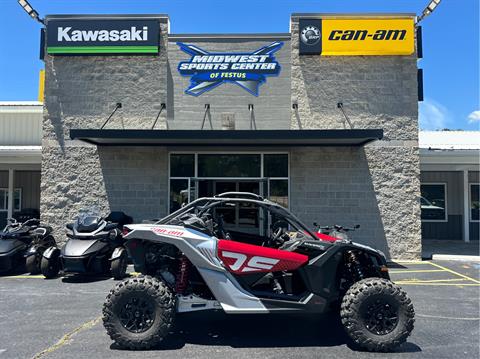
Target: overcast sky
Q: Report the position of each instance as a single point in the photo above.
(450, 41)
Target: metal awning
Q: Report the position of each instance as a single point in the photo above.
(109, 137)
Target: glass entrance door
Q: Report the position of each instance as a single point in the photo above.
(194, 175)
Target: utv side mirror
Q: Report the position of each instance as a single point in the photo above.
(315, 224)
(357, 226)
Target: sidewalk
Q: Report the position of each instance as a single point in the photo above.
(445, 249)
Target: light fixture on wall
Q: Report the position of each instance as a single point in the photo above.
(428, 10)
(30, 11)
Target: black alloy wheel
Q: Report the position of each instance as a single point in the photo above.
(138, 314)
(380, 317)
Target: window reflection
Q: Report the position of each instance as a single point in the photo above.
(432, 202)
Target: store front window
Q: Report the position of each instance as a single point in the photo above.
(195, 175)
(474, 202)
(17, 199)
(434, 201)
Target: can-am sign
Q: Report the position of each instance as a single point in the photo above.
(210, 69)
(356, 36)
(103, 36)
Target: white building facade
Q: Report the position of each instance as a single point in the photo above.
(449, 165)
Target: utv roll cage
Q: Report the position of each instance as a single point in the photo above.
(203, 204)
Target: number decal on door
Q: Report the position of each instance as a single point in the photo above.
(256, 263)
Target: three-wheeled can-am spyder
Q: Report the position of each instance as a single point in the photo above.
(22, 245)
(193, 260)
(94, 246)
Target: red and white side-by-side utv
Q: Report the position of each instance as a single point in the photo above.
(191, 260)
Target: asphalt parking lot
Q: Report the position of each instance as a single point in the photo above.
(60, 318)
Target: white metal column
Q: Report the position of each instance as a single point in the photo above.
(10, 193)
(466, 207)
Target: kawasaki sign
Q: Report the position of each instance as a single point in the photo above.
(103, 36)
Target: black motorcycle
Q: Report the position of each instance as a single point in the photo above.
(23, 244)
(333, 233)
(94, 246)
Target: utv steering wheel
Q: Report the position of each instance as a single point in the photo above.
(276, 239)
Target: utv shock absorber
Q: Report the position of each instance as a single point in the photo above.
(181, 281)
(355, 264)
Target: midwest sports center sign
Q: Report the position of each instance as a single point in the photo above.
(208, 70)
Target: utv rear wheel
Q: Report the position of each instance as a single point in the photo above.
(32, 264)
(50, 266)
(118, 266)
(377, 314)
(139, 312)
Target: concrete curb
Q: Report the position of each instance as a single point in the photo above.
(451, 257)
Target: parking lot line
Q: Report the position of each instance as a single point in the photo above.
(416, 271)
(443, 317)
(415, 280)
(23, 276)
(66, 338)
(453, 272)
(440, 284)
(410, 262)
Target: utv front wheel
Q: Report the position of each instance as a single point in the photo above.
(377, 314)
(139, 312)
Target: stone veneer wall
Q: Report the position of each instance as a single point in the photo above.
(377, 185)
(81, 92)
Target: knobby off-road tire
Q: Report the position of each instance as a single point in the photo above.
(377, 314)
(139, 312)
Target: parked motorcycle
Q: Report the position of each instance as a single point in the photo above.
(23, 244)
(333, 233)
(94, 246)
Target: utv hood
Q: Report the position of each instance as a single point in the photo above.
(82, 247)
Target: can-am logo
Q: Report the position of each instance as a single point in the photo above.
(132, 34)
(347, 35)
(247, 70)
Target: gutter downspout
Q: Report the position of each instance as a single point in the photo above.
(10, 193)
(466, 208)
